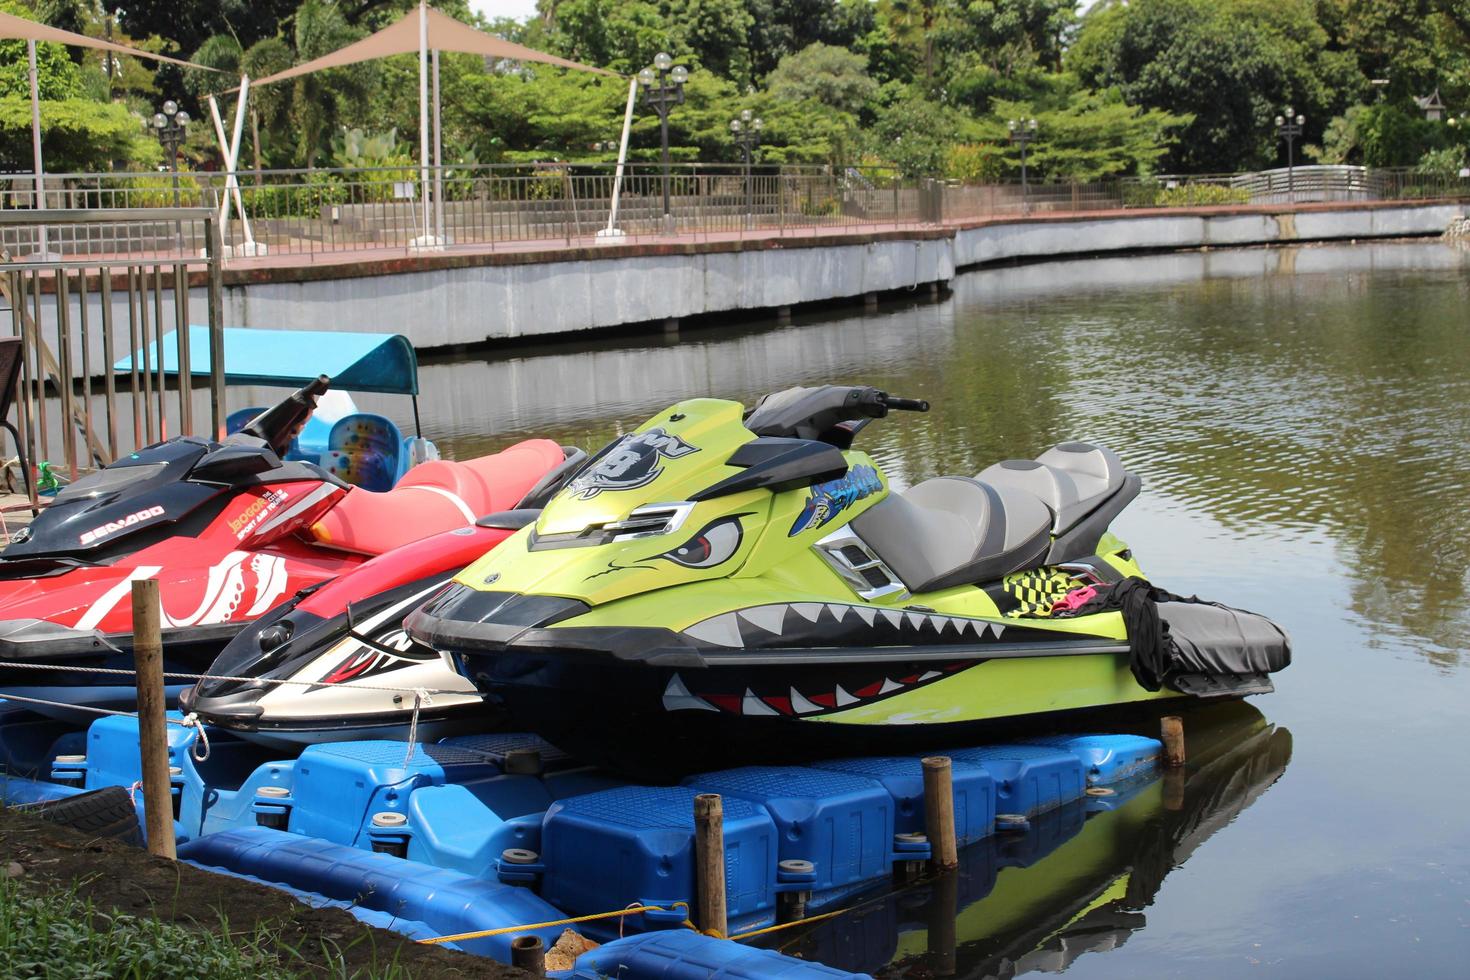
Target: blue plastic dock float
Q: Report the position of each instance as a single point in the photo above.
(903, 777)
(1108, 758)
(445, 902)
(841, 822)
(340, 785)
(1029, 779)
(636, 844)
(687, 955)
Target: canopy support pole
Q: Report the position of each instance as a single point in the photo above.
(612, 230)
(231, 151)
(438, 158)
(427, 239)
(38, 202)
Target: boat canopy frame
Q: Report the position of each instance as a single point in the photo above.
(382, 363)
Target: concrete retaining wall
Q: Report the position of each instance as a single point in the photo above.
(468, 304)
(1051, 237)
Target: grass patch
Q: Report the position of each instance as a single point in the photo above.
(57, 933)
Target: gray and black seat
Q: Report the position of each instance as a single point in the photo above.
(1084, 486)
(955, 530)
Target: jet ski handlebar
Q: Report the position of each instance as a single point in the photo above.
(830, 413)
(892, 403)
(278, 425)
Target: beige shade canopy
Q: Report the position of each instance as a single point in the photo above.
(18, 28)
(445, 34)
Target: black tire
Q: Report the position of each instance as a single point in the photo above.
(104, 812)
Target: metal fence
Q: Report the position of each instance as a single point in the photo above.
(323, 212)
(79, 317)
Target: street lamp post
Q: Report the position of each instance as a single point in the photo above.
(1022, 132)
(1288, 128)
(169, 126)
(746, 131)
(663, 88)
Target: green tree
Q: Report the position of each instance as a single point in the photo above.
(833, 76)
(1229, 65)
(1093, 135)
(78, 132)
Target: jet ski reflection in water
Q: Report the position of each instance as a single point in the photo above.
(1080, 881)
(722, 585)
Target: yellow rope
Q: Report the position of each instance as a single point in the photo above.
(483, 933)
(787, 925)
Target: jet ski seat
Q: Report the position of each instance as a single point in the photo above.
(954, 530)
(1083, 486)
(436, 496)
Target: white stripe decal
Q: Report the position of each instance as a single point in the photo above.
(316, 495)
(113, 596)
(469, 516)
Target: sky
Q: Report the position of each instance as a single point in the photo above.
(519, 9)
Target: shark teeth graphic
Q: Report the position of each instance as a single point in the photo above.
(929, 675)
(678, 698)
(807, 610)
(889, 687)
(768, 618)
(753, 705)
(843, 698)
(799, 622)
(801, 705)
(723, 630)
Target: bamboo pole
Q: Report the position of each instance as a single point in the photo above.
(939, 813)
(152, 729)
(1171, 731)
(709, 856)
(529, 953)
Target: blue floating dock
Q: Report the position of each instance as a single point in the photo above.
(636, 844)
(444, 902)
(340, 785)
(1029, 779)
(1108, 758)
(903, 778)
(842, 823)
(443, 815)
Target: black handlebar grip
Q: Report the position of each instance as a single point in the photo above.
(907, 404)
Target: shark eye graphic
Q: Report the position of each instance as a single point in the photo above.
(715, 544)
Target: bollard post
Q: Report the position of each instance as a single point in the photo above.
(152, 729)
(709, 856)
(1171, 731)
(939, 813)
(529, 953)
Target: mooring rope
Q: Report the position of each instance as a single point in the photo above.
(504, 930)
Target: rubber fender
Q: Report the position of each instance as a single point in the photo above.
(106, 812)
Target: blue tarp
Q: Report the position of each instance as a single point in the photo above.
(381, 362)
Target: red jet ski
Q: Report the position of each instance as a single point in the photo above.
(230, 531)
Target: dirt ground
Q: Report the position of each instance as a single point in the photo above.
(129, 879)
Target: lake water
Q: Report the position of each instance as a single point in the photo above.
(1301, 421)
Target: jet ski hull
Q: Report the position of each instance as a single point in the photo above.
(662, 709)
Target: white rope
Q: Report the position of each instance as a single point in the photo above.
(420, 697)
(191, 720)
